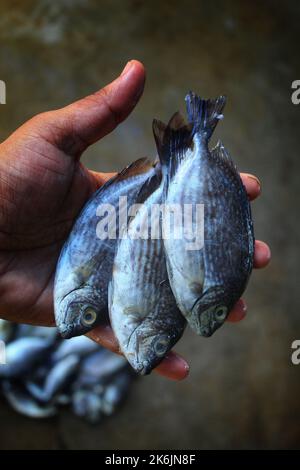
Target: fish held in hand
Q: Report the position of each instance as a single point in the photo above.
(206, 281)
(85, 264)
(142, 308)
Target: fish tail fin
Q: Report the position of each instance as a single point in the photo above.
(172, 141)
(204, 115)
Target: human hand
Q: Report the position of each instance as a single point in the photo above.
(43, 187)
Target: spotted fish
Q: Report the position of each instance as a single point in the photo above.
(208, 278)
(85, 264)
(142, 308)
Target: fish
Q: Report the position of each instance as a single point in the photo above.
(85, 264)
(98, 367)
(75, 372)
(79, 345)
(23, 403)
(58, 377)
(46, 332)
(142, 308)
(206, 281)
(88, 405)
(23, 354)
(115, 392)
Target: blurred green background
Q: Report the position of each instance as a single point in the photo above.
(243, 391)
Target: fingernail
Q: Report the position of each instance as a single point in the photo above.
(244, 306)
(127, 68)
(268, 253)
(173, 367)
(254, 178)
(240, 305)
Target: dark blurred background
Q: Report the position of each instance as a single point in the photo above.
(243, 391)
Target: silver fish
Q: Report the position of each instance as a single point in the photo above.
(88, 405)
(38, 331)
(115, 392)
(23, 403)
(22, 354)
(85, 264)
(206, 281)
(99, 367)
(142, 308)
(57, 379)
(79, 345)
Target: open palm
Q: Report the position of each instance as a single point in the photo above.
(43, 187)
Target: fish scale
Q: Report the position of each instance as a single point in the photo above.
(225, 206)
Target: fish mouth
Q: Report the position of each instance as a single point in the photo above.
(143, 368)
(206, 331)
(202, 323)
(69, 331)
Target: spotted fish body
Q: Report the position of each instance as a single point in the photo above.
(142, 308)
(209, 280)
(85, 264)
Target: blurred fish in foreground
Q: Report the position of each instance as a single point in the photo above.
(44, 372)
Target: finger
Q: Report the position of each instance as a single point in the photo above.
(99, 178)
(238, 312)
(252, 185)
(104, 335)
(75, 127)
(172, 366)
(262, 254)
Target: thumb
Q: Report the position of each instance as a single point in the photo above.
(73, 128)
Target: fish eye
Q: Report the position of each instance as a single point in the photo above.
(89, 316)
(221, 312)
(161, 346)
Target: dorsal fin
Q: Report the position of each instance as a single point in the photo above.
(220, 154)
(204, 115)
(142, 165)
